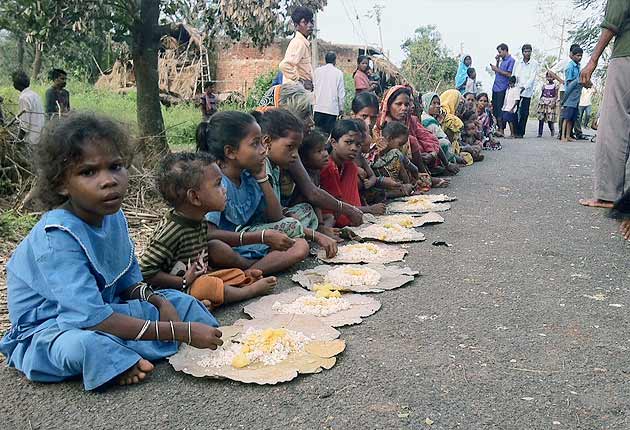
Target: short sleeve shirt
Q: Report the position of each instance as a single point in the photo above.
(617, 20)
(501, 82)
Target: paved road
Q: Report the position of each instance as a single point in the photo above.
(502, 331)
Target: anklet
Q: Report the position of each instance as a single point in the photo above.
(143, 330)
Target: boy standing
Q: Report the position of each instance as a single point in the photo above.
(57, 97)
(209, 101)
(297, 64)
(31, 114)
(572, 94)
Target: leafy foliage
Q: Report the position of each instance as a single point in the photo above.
(587, 32)
(428, 64)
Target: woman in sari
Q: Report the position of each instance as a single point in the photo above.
(362, 81)
(296, 179)
(422, 148)
(462, 73)
(453, 103)
(432, 109)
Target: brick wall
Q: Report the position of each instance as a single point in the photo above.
(239, 65)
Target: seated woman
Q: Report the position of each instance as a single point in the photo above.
(431, 121)
(297, 100)
(453, 104)
(423, 148)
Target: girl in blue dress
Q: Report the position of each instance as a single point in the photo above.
(76, 302)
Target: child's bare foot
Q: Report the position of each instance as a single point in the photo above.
(262, 286)
(596, 203)
(570, 139)
(137, 373)
(254, 274)
(624, 229)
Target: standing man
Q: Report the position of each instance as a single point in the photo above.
(525, 71)
(503, 69)
(57, 97)
(330, 94)
(613, 137)
(31, 115)
(296, 65)
(209, 102)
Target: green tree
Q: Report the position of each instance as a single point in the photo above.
(141, 24)
(428, 65)
(587, 32)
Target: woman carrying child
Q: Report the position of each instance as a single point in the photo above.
(362, 82)
(487, 121)
(462, 73)
(76, 300)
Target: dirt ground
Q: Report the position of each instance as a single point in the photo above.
(521, 324)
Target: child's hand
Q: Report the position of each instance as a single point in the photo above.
(277, 240)
(194, 271)
(331, 232)
(166, 309)
(362, 173)
(327, 243)
(369, 182)
(377, 209)
(261, 173)
(204, 336)
(407, 189)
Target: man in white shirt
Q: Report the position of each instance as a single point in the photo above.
(330, 94)
(585, 108)
(525, 71)
(31, 109)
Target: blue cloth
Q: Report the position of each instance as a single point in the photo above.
(569, 113)
(572, 94)
(245, 206)
(67, 276)
(572, 72)
(501, 82)
(278, 79)
(462, 74)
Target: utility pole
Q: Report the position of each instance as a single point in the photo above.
(314, 45)
(377, 12)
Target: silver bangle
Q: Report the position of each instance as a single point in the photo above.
(313, 235)
(135, 288)
(240, 238)
(172, 331)
(157, 330)
(262, 237)
(263, 180)
(189, 336)
(184, 283)
(143, 330)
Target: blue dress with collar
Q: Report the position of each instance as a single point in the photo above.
(67, 276)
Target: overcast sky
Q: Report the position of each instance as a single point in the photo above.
(480, 25)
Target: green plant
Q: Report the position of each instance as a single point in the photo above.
(261, 86)
(14, 226)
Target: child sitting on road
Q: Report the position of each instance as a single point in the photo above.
(179, 251)
(393, 164)
(472, 139)
(252, 221)
(340, 176)
(77, 304)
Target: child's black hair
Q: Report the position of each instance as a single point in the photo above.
(310, 142)
(207, 85)
(503, 47)
(468, 115)
(55, 73)
(525, 47)
(180, 172)
(61, 147)
(470, 71)
(345, 126)
(364, 100)
(512, 80)
(395, 129)
(20, 80)
(468, 122)
(480, 95)
(225, 128)
(300, 13)
(576, 49)
(277, 123)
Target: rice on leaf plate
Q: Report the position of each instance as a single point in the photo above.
(408, 221)
(388, 232)
(433, 198)
(368, 278)
(325, 303)
(265, 351)
(364, 253)
(416, 204)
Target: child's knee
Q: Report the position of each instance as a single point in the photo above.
(300, 249)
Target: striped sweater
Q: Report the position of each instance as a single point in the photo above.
(175, 240)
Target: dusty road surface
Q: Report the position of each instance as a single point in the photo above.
(521, 324)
